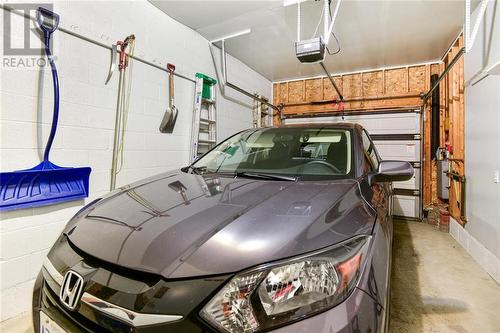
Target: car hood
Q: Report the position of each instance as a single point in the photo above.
(184, 225)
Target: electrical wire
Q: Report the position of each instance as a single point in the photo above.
(333, 35)
(338, 46)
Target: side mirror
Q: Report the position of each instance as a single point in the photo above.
(391, 171)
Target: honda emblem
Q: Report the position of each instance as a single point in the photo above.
(71, 290)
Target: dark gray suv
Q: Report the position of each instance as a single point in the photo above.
(275, 229)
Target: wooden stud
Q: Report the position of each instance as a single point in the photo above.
(407, 79)
(384, 91)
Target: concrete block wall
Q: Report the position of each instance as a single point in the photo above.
(85, 133)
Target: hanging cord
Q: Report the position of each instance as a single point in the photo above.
(125, 97)
(336, 39)
(333, 35)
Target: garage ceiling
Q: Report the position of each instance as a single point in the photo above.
(372, 34)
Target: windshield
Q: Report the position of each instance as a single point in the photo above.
(302, 153)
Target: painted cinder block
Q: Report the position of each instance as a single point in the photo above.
(99, 117)
(16, 300)
(20, 82)
(17, 107)
(87, 120)
(100, 180)
(100, 160)
(11, 270)
(86, 138)
(17, 135)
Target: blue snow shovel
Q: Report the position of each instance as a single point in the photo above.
(46, 183)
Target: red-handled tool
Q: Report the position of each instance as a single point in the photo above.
(126, 50)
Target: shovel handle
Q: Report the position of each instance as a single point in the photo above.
(171, 69)
(43, 13)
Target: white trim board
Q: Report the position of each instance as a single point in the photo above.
(487, 260)
(361, 71)
(451, 45)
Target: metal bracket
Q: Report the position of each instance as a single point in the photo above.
(470, 36)
(225, 82)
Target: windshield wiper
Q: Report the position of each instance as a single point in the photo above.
(195, 170)
(203, 170)
(264, 176)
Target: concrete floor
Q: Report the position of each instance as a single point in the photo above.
(436, 287)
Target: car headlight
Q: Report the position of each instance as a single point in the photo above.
(287, 291)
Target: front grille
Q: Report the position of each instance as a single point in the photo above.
(137, 291)
(51, 301)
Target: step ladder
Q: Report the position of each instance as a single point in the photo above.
(204, 128)
(261, 115)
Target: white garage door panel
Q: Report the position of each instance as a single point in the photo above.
(390, 123)
(405, 123)
(413, 183)
(389, 148)
(399, 150)
(406, 206)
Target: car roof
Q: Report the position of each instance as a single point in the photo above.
(324, 125)
(339, 125)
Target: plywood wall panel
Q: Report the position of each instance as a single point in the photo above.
(276, 98)
(314, 90)
(396, 81)
(284, 92)
(329, 92)
(382, 84)
(354, 106)
(352, 86)
(417, 79)
(373, 84)
(296, 91)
